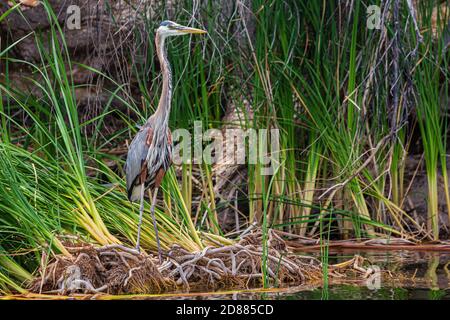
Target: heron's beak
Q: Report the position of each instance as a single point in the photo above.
(183, 29)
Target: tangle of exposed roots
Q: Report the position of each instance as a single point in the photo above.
(113, 269)
(116, 269)
(241, 264)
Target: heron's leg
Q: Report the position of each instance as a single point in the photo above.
(141, 211)
(152, 211)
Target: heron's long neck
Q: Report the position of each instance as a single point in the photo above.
(163, 111)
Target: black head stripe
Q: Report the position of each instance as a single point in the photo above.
(166, 23)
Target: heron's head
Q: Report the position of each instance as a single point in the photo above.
(170, 28)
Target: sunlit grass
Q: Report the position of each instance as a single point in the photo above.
(342, 172)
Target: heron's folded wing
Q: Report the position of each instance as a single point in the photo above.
(137, 154)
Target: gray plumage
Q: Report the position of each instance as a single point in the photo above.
(157, 155)
(150, 152)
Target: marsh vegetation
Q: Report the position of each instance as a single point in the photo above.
(362, 111)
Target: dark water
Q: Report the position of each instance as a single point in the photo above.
(350, 292)
(423, 275)
(415, 275)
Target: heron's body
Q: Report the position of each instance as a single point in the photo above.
(150, 152)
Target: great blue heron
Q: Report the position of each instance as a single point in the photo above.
(150, 152)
